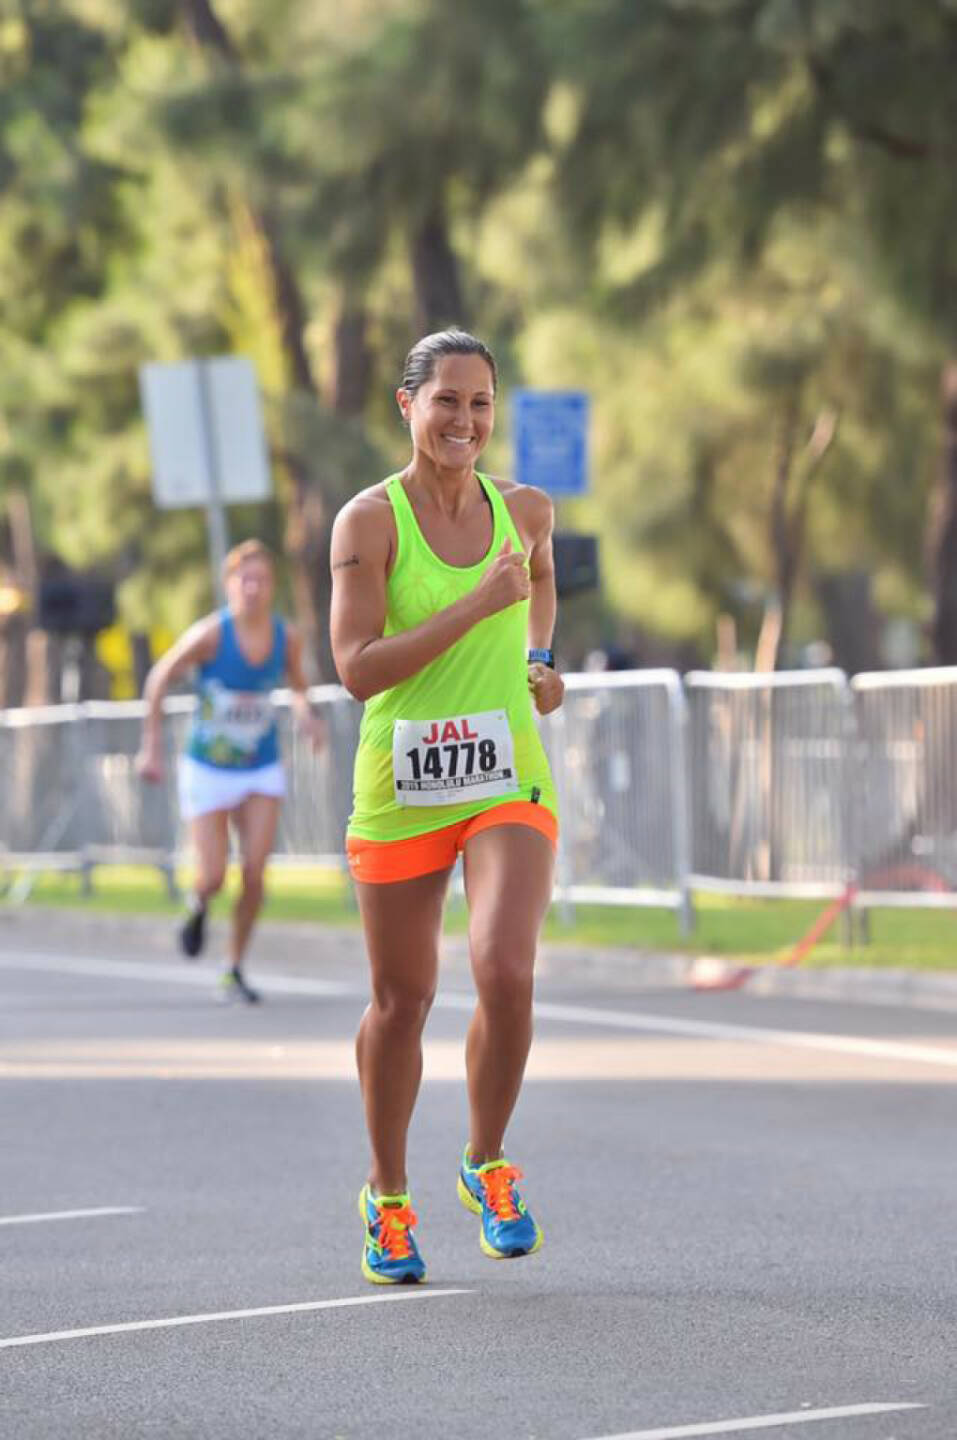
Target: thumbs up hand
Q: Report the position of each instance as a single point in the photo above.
(505, 582)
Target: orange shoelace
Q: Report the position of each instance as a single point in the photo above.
(394, 1222)
(499, 1195)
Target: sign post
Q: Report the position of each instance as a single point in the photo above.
(217, 522)
(206, 442)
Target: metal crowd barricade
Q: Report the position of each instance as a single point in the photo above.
(768, 782)
(312, 821)
(43, 789)
(903, 796)
(126, 819)
(616, 749)
(138, 822)
(801, 784)
(71, 797)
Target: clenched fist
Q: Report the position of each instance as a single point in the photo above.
(149, 762)
(505, 582)
(547, 687)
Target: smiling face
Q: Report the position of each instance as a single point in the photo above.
(451, 416)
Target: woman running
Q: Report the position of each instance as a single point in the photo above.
(442, 577)
(231, 771)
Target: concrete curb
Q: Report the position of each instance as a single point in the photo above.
(299, 948)
(927, 989)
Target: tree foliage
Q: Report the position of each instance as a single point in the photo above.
(727, 219)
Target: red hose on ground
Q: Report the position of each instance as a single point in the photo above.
(821, 926)
(710, 972)
(901, 877)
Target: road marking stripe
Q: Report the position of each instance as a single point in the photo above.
(718, 1030)
(72, 1214)
(162, 970)
(761, 1422)
(173, 1322)
(634, 1020)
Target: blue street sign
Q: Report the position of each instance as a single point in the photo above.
(550, 440)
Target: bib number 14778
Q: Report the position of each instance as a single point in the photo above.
(445, 762)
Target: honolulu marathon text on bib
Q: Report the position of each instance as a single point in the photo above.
(468, 757)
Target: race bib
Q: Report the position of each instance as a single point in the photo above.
(446, 762)
(232, 723)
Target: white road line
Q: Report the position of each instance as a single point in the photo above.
(717, 1030)
(163, 971)
(72, 1214)
(761, 1422)
(17, 1341)
(635, 1020)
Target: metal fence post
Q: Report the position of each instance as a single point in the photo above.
(681, 833)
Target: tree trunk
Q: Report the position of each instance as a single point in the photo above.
(785, 543)
(944, 530)
(353, 362)
(286, 297)
(306, 544)
(43, 668)
(25, 658)
(208, 30)
(212, 38)
(307, 517)
(13, 666)
(794, 474)
(435, 275)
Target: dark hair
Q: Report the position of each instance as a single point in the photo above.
(425, 354)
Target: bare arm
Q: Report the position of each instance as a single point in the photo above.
(537, 520)
(307, 720)
(198, 644)
(369, 662)
(543, 604)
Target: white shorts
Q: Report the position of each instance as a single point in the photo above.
(205, 788)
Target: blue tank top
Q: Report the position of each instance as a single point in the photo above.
(234, 727)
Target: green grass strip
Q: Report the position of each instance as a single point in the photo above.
(759, 931)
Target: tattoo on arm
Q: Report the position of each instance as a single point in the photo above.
(341, 564)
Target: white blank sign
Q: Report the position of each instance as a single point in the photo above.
(205, 432)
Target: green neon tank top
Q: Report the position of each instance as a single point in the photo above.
(485, 670)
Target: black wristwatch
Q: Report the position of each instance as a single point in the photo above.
(542, 657)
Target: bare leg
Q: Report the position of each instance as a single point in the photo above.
(255, 821)
(402, 922)
(508, 884)
(210, 836)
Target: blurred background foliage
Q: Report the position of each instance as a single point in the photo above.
(731, 221)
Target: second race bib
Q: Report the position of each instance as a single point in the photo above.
(231, 724)
(446, 762)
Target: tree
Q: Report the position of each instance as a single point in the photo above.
(717, 120)
(424, 120)
(60, 228)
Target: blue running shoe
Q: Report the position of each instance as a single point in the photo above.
(490, 1190)
(390, 1255)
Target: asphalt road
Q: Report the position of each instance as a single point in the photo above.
(748, 1208)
